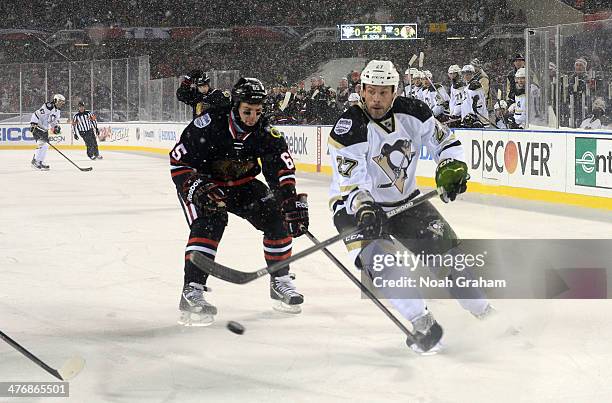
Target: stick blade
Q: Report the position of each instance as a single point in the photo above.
(412, 60)
(71, 368)
(421, 58)
(219, 271)
(86, 169)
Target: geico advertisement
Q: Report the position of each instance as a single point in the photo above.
(302, 142)
(533, 160)
(16, 134)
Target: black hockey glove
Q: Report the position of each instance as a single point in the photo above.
(370, 219)
(295, 212)
(452, 175)
(203, 194)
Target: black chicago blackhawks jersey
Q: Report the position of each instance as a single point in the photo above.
(214, 147)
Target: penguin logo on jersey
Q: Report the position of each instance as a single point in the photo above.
(394, 160)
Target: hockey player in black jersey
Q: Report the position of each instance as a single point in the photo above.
(214, 165)
(195, 91)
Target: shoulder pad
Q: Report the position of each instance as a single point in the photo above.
(351, 127)
(202, 121)
(412, 106)
(474, 85)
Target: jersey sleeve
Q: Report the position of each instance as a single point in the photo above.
(277, 164)
(348, 149)
(184, 155)
(441, 142)
(36, 116)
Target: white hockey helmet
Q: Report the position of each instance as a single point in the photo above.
(520, 73)
(427, 74)
(599, 103)
(454, 69)
(468, 68)
(500, 104)
(412, 71)
(58, 97)
(380, 72)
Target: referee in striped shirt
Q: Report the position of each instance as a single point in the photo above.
(84, 123)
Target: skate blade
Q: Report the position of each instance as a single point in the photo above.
(71, 368)
(280, 306)
(195, 320)
(439, 347)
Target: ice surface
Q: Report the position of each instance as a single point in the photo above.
(91, 264)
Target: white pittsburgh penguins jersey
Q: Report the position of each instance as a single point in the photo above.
(46, 116)
(457, 96)
(520, 109)
(475, 101)
(381, 156)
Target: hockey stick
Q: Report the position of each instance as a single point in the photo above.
(69, 160)
(487, 120)
(411, 338)
(239, 277)
(69, 370)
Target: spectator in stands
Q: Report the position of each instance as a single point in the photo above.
(342, 94)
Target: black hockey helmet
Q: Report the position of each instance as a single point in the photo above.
(203, 80)
(249, 90)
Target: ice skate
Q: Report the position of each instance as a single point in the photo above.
(195, 310)
(39, 165)
(428, 334)
(284, 295)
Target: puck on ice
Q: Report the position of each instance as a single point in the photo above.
(235, 327)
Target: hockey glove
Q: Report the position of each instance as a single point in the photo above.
(370, 219)
(203, 194)
(452, 175)
(295, 212)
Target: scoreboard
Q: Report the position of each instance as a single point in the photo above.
(376, 32)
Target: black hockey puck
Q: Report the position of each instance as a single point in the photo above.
(235, 327)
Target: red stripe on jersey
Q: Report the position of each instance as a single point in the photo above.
(181, 172)
(277, 241)
(207, 241)
(286, 171)
(280, 257)
(237, 182)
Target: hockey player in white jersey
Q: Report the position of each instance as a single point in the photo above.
(457, 92)
(435, 95)
(519, 108)
(374, 147)
(408, 82)
(474, 107)
(44, 119)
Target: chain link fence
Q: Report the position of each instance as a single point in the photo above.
(117, 90)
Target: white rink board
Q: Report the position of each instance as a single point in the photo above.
(525, 159)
